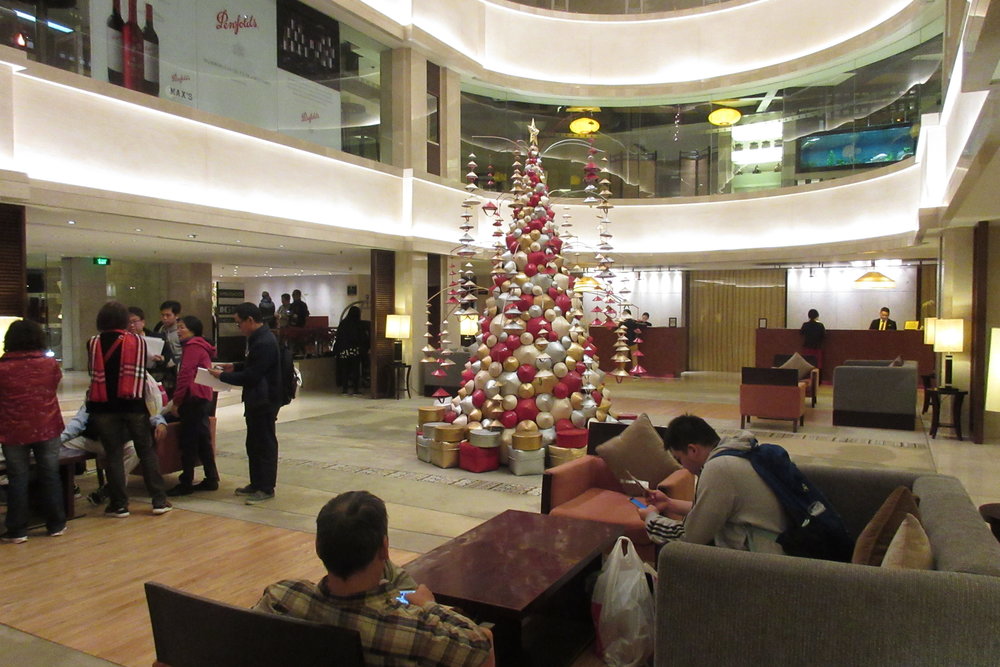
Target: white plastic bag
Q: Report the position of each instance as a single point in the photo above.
(625, 622)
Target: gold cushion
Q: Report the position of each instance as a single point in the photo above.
(798, 362)
(875, 538)
(910, 548)
(638, 450)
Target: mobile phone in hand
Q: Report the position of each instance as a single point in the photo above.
(637, 503)
(402, 595)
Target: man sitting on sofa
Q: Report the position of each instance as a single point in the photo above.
(361, 592)
(732, 508)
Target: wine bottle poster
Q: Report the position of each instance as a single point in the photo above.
(236, 66)
(309, 111)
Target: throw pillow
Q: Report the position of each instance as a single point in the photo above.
(875, 538)
(798, 363)
(910, 548)
(638, 450)
(898, 361)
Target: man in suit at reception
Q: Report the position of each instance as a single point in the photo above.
(883, 323)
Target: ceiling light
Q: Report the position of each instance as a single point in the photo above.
(71, 222)
(138, 229)
(584, 125)
(724, 117)
(875, 279)
(192, 236)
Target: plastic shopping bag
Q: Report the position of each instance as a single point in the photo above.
(623, 609)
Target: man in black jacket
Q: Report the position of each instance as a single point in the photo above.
(883, 323)
(260, 377)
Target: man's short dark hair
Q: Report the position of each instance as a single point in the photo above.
(813, 313)
(24, 336)
(173, 306)
(193, 324)
(645, 314)
(884, 309)
(689, 429)
(286, 295)
(138, 312)
(297, 294)
(247, 311)
(350, 529)
(112, 315)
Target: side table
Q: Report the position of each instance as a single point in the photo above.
(401, 378)
(957, 397)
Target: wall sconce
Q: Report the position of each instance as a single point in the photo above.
(398, 328)
(468, 327)
(948, 338)
(993, 373)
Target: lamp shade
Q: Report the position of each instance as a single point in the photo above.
(724, 117)
(948, 335)
(930, 328)
(584, 125)
(468, 325)
(397, 326)
(5, 322)
(875, 279)
(993, 373)
(587, 284)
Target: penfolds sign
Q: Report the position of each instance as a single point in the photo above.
(309, 116)
(241, 22)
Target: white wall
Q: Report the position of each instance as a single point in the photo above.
(659, 293)
(843, 304)
(325, 295)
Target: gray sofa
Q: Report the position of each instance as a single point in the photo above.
(875, 394)
(722, 607)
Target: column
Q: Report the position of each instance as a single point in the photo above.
(404, 109)
(84, 287)
(411, 299)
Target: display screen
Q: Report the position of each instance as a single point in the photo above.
(869, 147)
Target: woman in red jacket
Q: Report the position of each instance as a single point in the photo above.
(192, 403)
(30, 422)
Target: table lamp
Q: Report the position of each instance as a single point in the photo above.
(993, 373)
(948, 338)
(5, 322)
(930, 328)
(468, 327)
(397, 327)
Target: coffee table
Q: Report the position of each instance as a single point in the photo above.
(524, 573)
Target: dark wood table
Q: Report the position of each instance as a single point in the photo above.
(524, 573)
(957, 397)
(68, 460)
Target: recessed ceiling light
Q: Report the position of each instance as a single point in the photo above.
(192, 236)
(71, 222)
(281, 246)
(138, 229)
(238, 241)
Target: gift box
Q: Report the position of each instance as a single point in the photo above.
(477, 459)
(527, 441)
(526, 461)
(572, 437)
(559, 455)
(423, 450)
(433, 413)
(481, 437)
(449, 433)
(430, 427)
(444, 454)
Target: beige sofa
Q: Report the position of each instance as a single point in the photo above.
(723, 607)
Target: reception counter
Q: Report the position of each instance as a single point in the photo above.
(842, 344)
(664, 349)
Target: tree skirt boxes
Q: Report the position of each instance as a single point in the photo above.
(481, 452)
(432, 413)
(526, 461)
(571, 443)
(444, 448)
(425, 436)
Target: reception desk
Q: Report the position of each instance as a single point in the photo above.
(842, 344)
(665, 350)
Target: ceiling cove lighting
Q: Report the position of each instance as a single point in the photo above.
(724, 117)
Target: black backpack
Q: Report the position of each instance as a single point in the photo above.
(289, 378)
(815, 530)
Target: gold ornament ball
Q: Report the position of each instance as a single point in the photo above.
(526, 426)
(509, 402)
(510, 364)
(526, 390)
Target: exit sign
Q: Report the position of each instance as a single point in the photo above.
(102, 261)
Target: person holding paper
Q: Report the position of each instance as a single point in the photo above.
(192, 403)
(260, 377)
(159, 359)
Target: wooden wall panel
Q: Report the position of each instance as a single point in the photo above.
(383, 291)
(13, 261)
(723, 310)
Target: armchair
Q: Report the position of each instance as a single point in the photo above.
(772, 393)
(812, 382)
(192, 631)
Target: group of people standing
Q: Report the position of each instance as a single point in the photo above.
(293, 311)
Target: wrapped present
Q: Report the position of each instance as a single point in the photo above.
(559, 455)
(444, 454)
(429, 427)
(572, 438)
(485, 438)
(433, 413)
(526, 462)
(477, 459)
(424, 449)
(449, 433)
(527, 441)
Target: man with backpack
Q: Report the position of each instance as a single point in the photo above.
(749, 497)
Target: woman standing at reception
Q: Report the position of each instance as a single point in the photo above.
(812, 333)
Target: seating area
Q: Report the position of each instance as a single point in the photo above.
(772, 393)
(875, 394)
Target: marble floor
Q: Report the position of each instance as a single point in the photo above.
(331, 443)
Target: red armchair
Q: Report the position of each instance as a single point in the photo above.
(772, 393)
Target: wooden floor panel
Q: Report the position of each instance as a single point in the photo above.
(84, 589)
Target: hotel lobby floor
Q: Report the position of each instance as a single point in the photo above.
(329, 444)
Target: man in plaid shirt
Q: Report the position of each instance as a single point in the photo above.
(362, 588)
